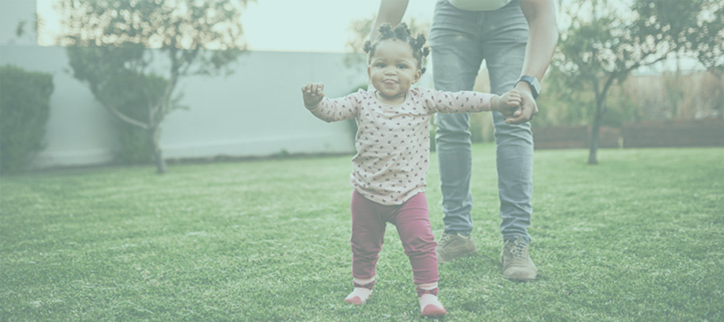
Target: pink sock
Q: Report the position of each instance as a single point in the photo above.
(362, 291)
(429, 304)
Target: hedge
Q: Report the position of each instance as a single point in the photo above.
(24, 112)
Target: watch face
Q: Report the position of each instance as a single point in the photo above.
(536, 85)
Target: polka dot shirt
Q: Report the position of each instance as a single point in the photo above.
(393, 142)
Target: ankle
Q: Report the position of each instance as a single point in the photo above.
(367, 283)
(361, 292)
(429, 303)
(428, 288)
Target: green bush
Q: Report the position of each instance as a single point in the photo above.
(131, 94)
(24, 112)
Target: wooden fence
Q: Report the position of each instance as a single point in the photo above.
(699, 133)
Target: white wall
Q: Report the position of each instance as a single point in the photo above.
(257, 111)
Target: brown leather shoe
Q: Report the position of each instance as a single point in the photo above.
(517, 265)
(454, 246)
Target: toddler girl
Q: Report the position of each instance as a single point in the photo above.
(392, 144)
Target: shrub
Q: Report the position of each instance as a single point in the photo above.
(24, 111)
(132, 94)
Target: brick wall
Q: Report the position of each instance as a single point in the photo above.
(574, 137)
(675, 133)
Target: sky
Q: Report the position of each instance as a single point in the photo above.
(285, 25)
(302, 26)
(313, 26)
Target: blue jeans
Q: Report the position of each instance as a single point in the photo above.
(460, 41)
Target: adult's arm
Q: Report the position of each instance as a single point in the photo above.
(542, 39)
(391, 11)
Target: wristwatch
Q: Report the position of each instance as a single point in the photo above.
(535, 88)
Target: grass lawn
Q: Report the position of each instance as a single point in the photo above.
(639, 237)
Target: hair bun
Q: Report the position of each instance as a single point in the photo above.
(401, 31)
(420, 41)
(386, 30)
(367, 46)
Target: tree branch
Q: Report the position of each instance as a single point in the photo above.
(125, 118)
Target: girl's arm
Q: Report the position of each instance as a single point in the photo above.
(468, 101)
(326, 109)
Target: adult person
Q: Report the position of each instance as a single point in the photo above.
(516, 38)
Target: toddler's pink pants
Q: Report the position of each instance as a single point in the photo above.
(412, 220)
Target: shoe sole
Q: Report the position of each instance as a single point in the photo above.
(433, 311)
(516, 279)
(443, 259)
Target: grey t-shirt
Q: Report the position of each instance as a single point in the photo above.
(479, 5)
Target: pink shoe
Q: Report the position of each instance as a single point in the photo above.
(429, 304)
(356, 299)
(433, 310)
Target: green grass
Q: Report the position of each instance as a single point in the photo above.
(639, 237)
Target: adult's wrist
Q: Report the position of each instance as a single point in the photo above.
(523, 86)
(530, 84)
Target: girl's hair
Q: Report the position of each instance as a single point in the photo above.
(401, 32)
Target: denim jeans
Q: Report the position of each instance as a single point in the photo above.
(460, 41)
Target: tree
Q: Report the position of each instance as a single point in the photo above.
(602, 47)
(109, 40)
(702, 36)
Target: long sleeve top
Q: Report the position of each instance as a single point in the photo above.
(393, 142)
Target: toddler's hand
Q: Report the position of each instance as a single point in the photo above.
(313, 94)
(508, 103)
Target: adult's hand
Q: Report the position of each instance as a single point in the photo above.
(528, 107)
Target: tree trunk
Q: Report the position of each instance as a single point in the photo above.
(158, 154)
(593, 145)
(596, 127)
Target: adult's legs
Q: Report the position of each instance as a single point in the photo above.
(505, 35)
(456, 57)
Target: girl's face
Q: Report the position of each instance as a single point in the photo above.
(392, 70)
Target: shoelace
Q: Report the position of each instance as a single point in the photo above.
(519, 250)
(445, 238)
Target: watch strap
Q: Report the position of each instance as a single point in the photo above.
(535, 88)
